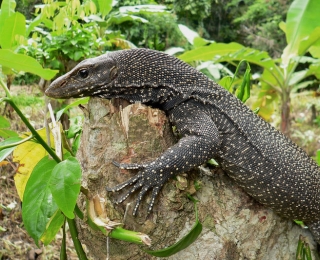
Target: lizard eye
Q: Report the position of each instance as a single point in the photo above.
(83, 73)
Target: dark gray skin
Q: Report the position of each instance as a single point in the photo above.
(212, 123)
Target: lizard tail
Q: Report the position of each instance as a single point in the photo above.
(314, 228)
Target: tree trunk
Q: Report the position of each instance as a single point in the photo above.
(234, 225)
(285, 113)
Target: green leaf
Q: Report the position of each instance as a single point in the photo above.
(35, 22)
(318, 157)
(65, 185)
(302, 85)
(4, 123)
(184, 242)
(121, 18)
(105, 6)
(282, 26)
(76, 143)
(298, 76)
(226, 82)
(14, 25)
(312, 39)
(210, 52)
(221, 52)
(53, 227)
(192, 36)
(315, 69)
(302, 19)
(75, 127)
(5, 133)
(25, 63)
(38, 204)
(80, 101)
(5, 152)
(315, 51)
(7, 9)
(243, 93)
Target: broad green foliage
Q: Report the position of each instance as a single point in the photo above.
(7, 10)
(74, 30)
(38, 203)
(160, 33)
(301, 28)
(65, 185)
(13, 34)
(51, 188)
(257, 23)
(21, 62)
(280, 76)
(14, 29)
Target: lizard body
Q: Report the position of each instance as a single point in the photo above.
(213, 124)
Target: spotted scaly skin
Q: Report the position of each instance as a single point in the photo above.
(213, 124)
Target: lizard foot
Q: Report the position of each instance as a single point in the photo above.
(145, 180)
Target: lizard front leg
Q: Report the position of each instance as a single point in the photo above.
(200, 142)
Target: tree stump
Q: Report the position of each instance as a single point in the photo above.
(234, 225)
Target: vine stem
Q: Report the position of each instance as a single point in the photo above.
(71, 222)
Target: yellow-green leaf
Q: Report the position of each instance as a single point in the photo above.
(28, 155)
(53, 227)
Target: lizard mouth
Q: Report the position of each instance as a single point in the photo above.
(60, 89)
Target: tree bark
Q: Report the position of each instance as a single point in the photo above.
(234, 225)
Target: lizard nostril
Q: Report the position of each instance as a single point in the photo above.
(63, 83)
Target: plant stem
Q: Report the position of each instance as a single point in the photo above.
(5, 88)
(63, 250)
(33, 131)
(74, 234)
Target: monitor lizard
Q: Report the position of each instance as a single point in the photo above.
(213, 124)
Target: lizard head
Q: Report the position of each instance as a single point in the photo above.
(89, 77)
(136, 75)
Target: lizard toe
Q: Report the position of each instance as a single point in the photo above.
(124, 184)
(133, 189)
(139, 199)
(129, 166)
(154, 195)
